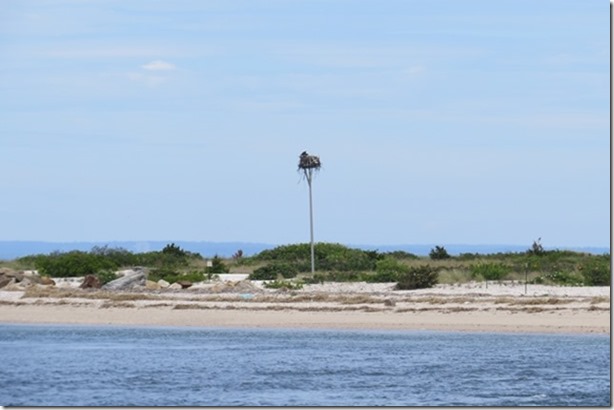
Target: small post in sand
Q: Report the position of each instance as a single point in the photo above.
(526, 277)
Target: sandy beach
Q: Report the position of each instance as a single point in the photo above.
(492, 307)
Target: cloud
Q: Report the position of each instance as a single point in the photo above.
(159, 65)
(154, 78)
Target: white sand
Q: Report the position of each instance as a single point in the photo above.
(467, 307)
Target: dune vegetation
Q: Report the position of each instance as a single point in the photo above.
(289, 266)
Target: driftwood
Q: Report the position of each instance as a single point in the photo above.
(135, 278)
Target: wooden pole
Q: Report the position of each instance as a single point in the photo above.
(309, 174)
(308, 163)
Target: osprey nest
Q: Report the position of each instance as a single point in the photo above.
(307, 161)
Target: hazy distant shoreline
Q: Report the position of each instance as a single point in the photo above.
(15, 249)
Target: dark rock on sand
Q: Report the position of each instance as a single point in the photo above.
(184, 283)
(5, 280)
(47, 281)
(10, 273)
(90, 282)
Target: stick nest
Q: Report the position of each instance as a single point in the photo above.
(307, 161)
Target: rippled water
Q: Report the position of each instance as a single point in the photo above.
(162, 366)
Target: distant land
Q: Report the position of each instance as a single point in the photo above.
(15, 249)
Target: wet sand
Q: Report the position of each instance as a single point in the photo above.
(580, 322)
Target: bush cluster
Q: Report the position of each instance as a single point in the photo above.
(283, 284)
(559, 278)
(438, 253)
(398, 255)
(337, 263)
(328, 257)
(106, 276)
(418, 278)
(172, 276)
(217, 266)
(80, 263)
(597, 272)
(387, 270)
(273, 271)
(73, 263)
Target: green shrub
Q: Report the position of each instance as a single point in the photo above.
(28, 262)
(282, 284)
(170, 257)
(399, 255)
(162, 260)
(490, 270)
(174, 250)
(106, 276)
(194, 276)
(273, 271)
(597, 272)
(373, 255)
(439, 252)
(119, 256)
(73, 263)
(328, 256)
(559, 278)
(217, 266)
(172, 276)
(315, 279)
(381, 277)
(387, 270)
(418, 278)
(168, 274)
(555, 260)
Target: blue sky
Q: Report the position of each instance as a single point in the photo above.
(476, 122)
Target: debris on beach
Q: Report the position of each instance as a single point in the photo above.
(130, 279)
(12, 279)
(244, 287)
(151, 285)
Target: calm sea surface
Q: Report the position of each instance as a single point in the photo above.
(165, 366)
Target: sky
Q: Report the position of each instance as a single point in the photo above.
(450, 122)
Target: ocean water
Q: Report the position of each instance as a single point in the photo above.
(165, 366)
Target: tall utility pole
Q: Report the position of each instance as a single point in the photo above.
(308, 164)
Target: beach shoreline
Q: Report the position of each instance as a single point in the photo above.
(584, 323)
(467, 307)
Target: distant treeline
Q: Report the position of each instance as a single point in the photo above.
(16, 249)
